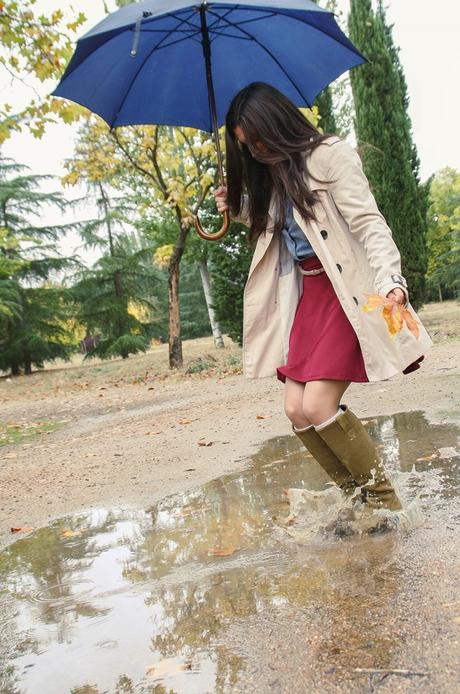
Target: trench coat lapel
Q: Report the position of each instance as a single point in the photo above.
(264, 240)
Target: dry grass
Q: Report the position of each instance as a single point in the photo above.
(442, 320)
(201, 360)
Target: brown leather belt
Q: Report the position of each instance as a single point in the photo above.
(310, 272)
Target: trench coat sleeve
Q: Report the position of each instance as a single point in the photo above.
(243, 216)
(353, 197)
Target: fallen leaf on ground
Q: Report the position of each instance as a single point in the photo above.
(72, 533)
(221, 551)
(262, 416)
(203, 442)
(166, 667)
(20, 530)
(185, 421)
(427, 457)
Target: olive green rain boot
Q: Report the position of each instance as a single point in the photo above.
(348, 439)
(326, 458)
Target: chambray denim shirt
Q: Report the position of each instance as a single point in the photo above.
(296, 241)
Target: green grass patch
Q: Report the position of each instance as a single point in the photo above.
(201, 364)
(16, 432)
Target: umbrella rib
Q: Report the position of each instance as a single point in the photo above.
(142, 65)
(229, 36)
(244, 21)
(162, 31)
(195, 27)
(273, 57)
(173, 43)
(290, 16)
(334, 38)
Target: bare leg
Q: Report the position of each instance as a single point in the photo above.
(321, 399)
(312, 402)
(293, 403)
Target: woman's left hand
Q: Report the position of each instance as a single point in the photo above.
(397, 295)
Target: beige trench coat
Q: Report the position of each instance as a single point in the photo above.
(355, 245)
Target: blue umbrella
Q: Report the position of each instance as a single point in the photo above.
(175, 63)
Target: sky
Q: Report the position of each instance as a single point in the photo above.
(428, 51)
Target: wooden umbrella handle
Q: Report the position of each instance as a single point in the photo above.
(216, 235)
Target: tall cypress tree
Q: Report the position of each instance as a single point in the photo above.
(326, 110)
(324, 100)
(423, 188)
(384, 135)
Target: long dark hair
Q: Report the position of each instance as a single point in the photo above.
(266, 116)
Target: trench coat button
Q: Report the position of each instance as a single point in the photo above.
(323, 233)
(355, 300)
(339, 267)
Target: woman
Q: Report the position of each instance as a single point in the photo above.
(321, 245)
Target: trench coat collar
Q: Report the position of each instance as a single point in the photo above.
(264, 240)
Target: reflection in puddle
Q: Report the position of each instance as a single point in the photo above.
(120, 601)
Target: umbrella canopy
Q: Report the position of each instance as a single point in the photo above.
(170, 62)
(144, 63)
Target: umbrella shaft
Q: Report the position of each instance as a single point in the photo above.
(212, 99)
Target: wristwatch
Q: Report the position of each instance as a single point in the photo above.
(399, 279)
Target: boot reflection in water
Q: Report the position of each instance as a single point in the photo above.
(347, 439)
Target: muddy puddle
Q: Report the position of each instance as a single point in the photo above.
(185, 596)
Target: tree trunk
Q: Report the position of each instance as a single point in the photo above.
(175, 342)
(15, 371)
(215, 327)
(27, 367)
(440, 292)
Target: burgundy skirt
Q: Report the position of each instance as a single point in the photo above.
(322, 342)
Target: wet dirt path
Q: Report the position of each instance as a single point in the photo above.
(209, 591)
(124, 479)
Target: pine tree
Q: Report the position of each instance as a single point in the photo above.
(384, 136)
(116, 300)
(32, 310)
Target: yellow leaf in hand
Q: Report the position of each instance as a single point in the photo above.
(394, 313)
(373, 301)
(411, 323)
(393, 318)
